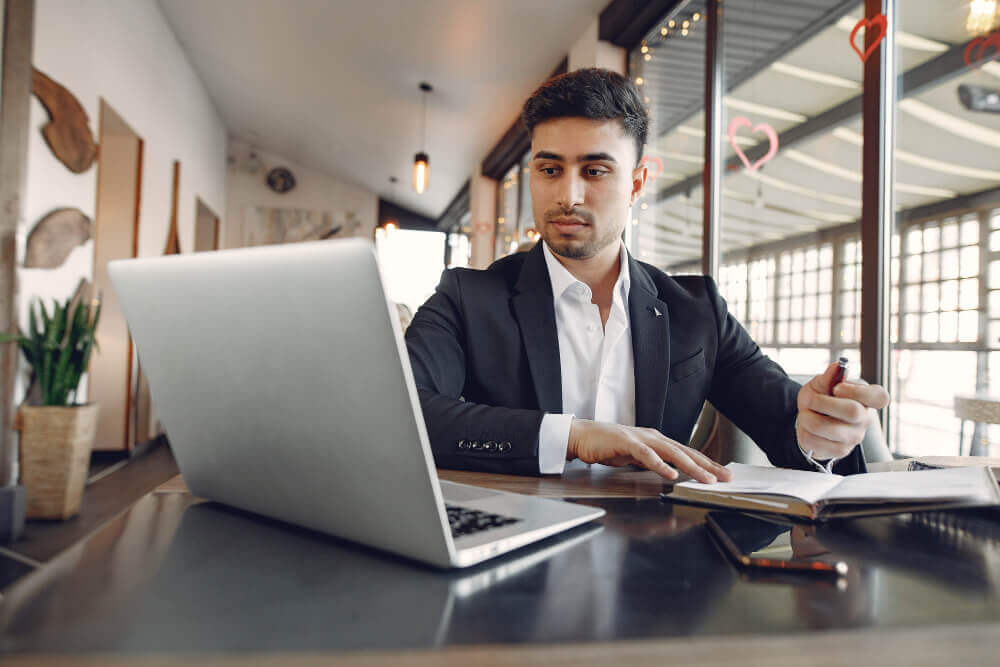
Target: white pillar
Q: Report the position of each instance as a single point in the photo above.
(589, 51)
(483, 218)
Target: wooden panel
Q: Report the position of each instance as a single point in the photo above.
(109, 379)
(15, 83)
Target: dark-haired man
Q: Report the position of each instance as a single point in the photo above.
(577, 350)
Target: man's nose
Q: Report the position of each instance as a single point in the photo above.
(571, 191)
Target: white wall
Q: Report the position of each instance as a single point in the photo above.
(589, 51)
(122, 51)
(314, 190)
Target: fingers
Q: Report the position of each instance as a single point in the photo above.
(720, 471)
(840, 408)
(613, 444)
(682, 458)
(869, 395)
(821, 383)
(650, 460)
(829, 435)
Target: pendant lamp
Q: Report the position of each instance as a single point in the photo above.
(421, 163)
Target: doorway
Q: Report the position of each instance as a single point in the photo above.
(116, 235)
(206, 227)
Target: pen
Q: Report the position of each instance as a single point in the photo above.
(839, 374)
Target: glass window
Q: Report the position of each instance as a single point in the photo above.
(669, 69)
(945, 168)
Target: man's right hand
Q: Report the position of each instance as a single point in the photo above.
(616, 445)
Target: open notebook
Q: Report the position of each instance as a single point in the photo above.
(820, 496)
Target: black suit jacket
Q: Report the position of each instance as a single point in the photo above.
(485, 357)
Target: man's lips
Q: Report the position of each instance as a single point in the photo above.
(568, 223)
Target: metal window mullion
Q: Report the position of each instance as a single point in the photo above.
(977, 447)
(775, 298)
(878, 213)
(835, 299)
(712, 171)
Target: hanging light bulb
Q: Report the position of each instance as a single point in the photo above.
(421, 162)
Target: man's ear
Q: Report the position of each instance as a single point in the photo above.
(639, 175)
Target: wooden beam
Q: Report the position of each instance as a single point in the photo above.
(515, 142)
(15, 83)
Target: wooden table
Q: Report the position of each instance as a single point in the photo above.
(109, 566)
(579, 480)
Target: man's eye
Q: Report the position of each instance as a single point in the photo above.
(549, 171)
(594, 171)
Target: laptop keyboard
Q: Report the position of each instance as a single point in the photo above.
(465, 521)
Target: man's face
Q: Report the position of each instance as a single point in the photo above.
(583, 184)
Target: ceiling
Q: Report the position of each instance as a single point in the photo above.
(333, 84)
(788, 68)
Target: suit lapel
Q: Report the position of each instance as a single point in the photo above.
(650, 322)
(536, 316)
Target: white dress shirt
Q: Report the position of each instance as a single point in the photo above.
(598, 379)
(596, 363)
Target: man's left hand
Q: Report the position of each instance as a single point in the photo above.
(831, 426)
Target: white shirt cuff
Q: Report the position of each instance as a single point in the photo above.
(820, 466)
(553, 440)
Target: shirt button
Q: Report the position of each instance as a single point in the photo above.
(591, 328)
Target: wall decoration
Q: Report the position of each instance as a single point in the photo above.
(265, 226)
(982, 50)
(280, 179)
(68, 131)
(877, 20)
(657, 162)
(54, 237)
(742, 121)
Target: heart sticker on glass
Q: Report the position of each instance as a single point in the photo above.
(657, 162)
(876, 21)
(978, 52)
(742, 121)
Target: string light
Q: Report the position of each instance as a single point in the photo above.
(644, 49)
(981, 16)
(685, 24)
(664, 31)
(684, 32)
(639, 81)
(648, 57)
(672, 23)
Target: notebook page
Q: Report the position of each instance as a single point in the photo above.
(747, 479)
(942, 484)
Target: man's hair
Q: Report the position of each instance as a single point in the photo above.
(594, 93)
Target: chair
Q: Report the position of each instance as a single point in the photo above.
(723, 441)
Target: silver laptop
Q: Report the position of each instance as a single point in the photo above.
(282, 380)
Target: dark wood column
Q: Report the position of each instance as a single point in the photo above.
(711, 178)
(877, 215)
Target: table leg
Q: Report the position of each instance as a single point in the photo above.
(961, 437)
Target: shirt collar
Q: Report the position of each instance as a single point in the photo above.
(562, 279)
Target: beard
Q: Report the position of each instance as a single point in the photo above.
(585, 242)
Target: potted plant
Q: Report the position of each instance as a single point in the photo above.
(57, 433)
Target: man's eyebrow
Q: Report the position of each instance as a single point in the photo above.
(589, 157)
(597, 157)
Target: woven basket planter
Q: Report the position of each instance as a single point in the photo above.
(55, 449)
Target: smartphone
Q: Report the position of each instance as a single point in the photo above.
(758, 544)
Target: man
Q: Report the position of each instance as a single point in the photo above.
(576, 350)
